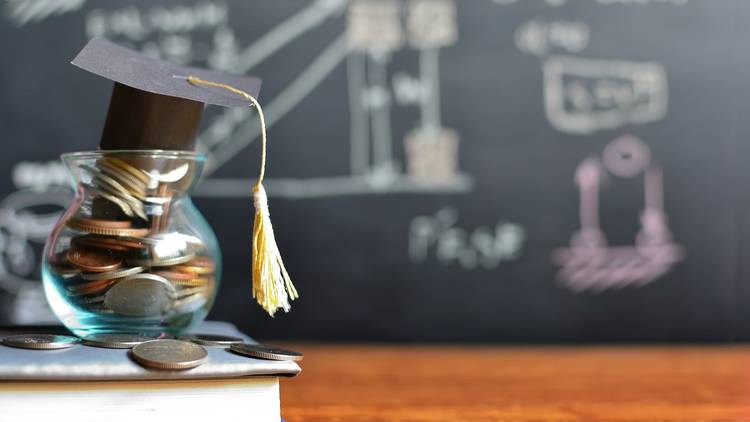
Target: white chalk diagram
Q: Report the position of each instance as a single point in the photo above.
(589, 263)
(375, 30)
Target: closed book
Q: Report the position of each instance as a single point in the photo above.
(85, 383)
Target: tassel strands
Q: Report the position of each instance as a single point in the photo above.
(272, 286)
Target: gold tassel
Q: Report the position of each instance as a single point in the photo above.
(272, 286)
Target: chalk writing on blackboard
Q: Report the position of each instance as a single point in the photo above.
(584, 95)
(484, 247)
(25, 11)
(589, 263)
(540, 37)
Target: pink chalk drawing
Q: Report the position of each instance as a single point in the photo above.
(589, 264)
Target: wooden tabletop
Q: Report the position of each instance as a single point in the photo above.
(455, 383)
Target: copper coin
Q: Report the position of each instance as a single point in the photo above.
(130, 232)
(61, 266)
(114, 243)
(194, 282)
(104, 224)
(173, 275)
(199, 265)
(93, 260)
(90, 287)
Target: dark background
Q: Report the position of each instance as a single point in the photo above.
(349, 253)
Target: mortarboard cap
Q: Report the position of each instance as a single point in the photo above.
(152, 105)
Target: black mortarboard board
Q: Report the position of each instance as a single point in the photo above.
(153, 106)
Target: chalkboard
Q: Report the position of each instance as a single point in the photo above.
(484, 171)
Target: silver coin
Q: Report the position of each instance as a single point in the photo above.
(115, 340)
(124, 206)
(125, 179)
(213, 339)
(188, 304)
(40, 341)
(190, 291)
(106, 180)
(140, 295)
(169, 354)
(263, 352)
(112, 274)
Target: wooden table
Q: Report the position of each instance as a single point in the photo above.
(456, 383)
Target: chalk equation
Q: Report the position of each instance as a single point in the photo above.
(482, 248)
(589, 263)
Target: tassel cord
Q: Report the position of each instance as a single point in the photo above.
(197, 81)
(272, 285)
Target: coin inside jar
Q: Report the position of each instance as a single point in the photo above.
(89, 288)
(114, 243)
(119, 273)
(169, 354)
(93, 260)
(106, 224)
(140, 295)
(40, 341)
(200, 265)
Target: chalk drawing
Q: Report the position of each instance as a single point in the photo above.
(582, 96)
(481, 248)
(557, 3)
(589, 263)
(22, 12)
(540, 37)
(375, 30)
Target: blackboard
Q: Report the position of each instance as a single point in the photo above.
(484, 171)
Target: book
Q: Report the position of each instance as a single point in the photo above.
(84, 383)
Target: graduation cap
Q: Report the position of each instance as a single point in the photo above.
(158, 105)
(152, 105)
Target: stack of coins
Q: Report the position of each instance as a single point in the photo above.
(127, 263)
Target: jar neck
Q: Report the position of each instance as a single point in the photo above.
(141, 173)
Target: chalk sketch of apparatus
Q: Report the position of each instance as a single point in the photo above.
(583, 95)
(375, 30)
(589, 263)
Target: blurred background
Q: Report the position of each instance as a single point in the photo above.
(473, 171)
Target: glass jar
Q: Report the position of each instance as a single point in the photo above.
(132, 253)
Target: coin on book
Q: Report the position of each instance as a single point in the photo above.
(263, 352)
(115, 340)
(169, 354)
(40, 341)
(212, 339)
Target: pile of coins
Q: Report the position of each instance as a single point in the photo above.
(167, 354)
(122, 260)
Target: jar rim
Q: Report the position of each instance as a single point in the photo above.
(151, 153)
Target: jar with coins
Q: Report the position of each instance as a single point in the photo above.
(132, 253)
